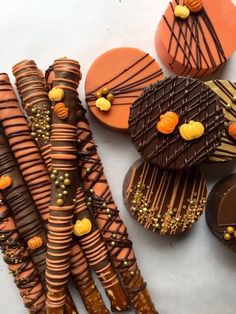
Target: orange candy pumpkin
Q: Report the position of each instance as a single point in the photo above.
(61, 110)
(35, 243)
(194, 5)
(5, 182)
(168, 122)
(232, 130)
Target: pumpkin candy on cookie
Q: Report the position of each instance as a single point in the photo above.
(168, 122)
(176, 101)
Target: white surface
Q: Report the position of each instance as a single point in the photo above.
(191, 274)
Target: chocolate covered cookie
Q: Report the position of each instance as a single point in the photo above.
(221, 211)
(226, 91)
(195, 37)
(115, 80)
(164, 201)
(176, 123)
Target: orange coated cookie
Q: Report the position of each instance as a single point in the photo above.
(115, 80)
(196, 37)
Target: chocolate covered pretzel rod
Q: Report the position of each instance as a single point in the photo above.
(64, 180)
(24, 148)
(96, 252)
(37, 105)
(107, 216)
(17, 196)
(20, 264)
(32, 89)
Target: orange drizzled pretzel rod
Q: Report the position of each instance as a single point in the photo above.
(107, 215)
(32, 170)
(64, 181)
(32, 90)
(20, 264)
(96, 252)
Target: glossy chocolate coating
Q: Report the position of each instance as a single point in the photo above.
(190, 100)
(221, 210)
(226, 91)
(164, 201)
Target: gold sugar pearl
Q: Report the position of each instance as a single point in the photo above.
(228, 106)
(227, 236)
(105, 90)
(60, 202)
(66, 175)
(110, 97)
(67, 182)
(230, 229)
(98, 94)
(234, 98)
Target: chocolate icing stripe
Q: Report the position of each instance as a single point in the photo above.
(20, 264)
(29, 79)
(193, 35)
(189, 99)
(57, 229)
(96, 253)
(17, 132)
(168, 211)
(107, 216)
(124, 87)
(19, 199)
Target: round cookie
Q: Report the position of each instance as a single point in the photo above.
(226, 90)
(190, 100)
(221, 213)
(164, 201)
(196, 43)
(122, 73)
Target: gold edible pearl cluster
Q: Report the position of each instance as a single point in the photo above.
(171, 220)
(39, 122)
(230, 233)
(62, 182)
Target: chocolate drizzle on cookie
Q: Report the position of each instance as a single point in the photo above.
(190, 100)
(226, 91)
(164, 201)
(124, 87)
(189, 37)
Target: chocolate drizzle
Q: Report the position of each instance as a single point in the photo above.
(19, 200)
(20, 264)
(164, 201)
(226, 91)
(191, 100)
(189, 37)
(107, 216)
(124, 88)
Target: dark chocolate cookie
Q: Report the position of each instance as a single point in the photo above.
(176, 123)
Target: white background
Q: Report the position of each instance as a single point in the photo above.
(191, 274)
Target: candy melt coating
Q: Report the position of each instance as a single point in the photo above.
(198, 45)
(125, 72)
